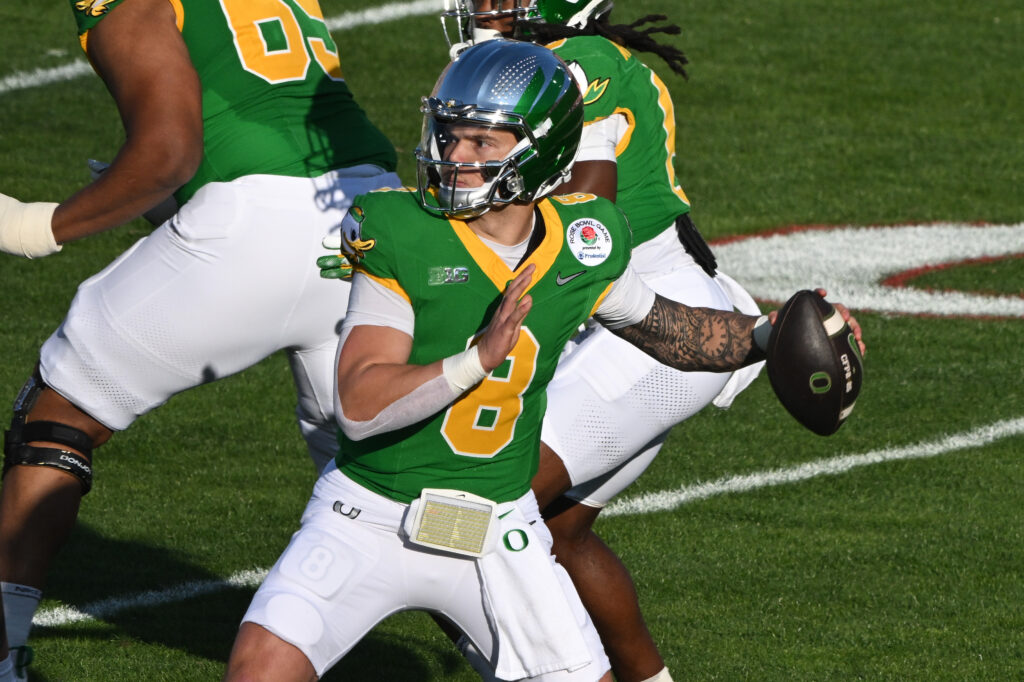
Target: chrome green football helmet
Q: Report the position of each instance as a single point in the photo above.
(461, 18)
(510, 85)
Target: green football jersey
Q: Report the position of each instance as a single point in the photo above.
(486, 442)
(619, 83)
(274, 98)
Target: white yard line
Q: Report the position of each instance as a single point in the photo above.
(63, 615)
(23, 80)
(385, 13)
(644, 504)
(670, 499)
(393, 11)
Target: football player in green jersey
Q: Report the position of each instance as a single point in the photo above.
(610, 407)
(240, 109)
(465, 292)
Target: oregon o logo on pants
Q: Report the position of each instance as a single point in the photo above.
(516, 540)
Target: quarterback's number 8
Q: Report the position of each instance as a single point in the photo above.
(271, 42)
(482, 422)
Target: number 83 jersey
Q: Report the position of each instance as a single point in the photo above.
(487, 441)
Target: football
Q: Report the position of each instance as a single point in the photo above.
(814, 363)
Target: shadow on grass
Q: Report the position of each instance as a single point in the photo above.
(129, 587)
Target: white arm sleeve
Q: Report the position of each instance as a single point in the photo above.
(372, 304)
(427, 399)
(600, 138)
(628, 302)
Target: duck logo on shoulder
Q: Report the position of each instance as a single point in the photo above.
(355, 247)
(94, 8)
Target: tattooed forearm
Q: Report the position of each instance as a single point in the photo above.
(694, 339)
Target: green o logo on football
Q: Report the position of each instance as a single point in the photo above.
(820, 382)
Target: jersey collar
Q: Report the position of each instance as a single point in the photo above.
(543, 257)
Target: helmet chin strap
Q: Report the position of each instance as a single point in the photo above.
(455, 49)
(481, 35)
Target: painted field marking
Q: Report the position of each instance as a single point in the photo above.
(643, 504)
(393, 11)
(668, 500)
(867, 267)
(65, 615)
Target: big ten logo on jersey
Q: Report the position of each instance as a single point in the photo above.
(278, 43)
(445, 274)
(589, 240)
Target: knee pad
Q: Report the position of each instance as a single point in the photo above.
(18, 451)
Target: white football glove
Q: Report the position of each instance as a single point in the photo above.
(25, 229)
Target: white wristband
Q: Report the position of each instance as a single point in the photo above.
(25, 229)
(762, 332)
(463, 370)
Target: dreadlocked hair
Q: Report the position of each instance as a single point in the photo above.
(629, 36)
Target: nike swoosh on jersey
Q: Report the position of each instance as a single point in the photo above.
(559, 280)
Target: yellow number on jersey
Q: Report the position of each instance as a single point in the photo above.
(574, 198)
(249, 18)
(483, 421)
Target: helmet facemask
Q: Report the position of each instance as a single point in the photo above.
(502, 183)
(461, 18)
(460, 21)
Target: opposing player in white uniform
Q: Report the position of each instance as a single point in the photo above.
(611, 406)
(240, 110)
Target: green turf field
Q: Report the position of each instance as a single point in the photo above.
(895, 553)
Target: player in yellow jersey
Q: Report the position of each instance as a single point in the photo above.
(239, 109)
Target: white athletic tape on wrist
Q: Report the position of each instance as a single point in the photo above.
(463, 370)
(25, 229)
(762, 331)
(662, 676)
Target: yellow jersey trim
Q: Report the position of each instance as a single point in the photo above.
(543, 257)
(600, 299)
(669, 124)
(179, 21)
(386, 282)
